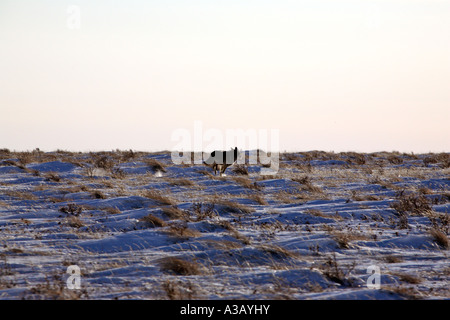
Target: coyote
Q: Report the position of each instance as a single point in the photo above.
(221, 160)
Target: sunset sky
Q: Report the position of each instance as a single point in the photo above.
(330, 75)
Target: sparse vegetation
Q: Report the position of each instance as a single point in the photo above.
(336, 272)
(411, 203)
(228, 206)
(240, 170)
(440, 238)
(180, 266)
(72, 208)
(152, 221)
(158, 196)
(155, 165)
(135, 210)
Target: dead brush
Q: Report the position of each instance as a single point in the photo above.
(72, 209)
(54, 289)
(182, 182)
(103, 162)
(439, 220)
(75, 222)
(203, 210)
(117, 173)
(155, 165)
(97, 194)
(111, 210)
(278, 252)
(152, 221)
(258, 199)
(302, 180)
(442, 158)
(310, 187)
(205, 173)
(158, 196)
(247, 183)
(23, 195)
(181, 231)
(354, 158)
(394, 159)
(228, 206)
(240, 170)
(180, 266)
(173, 212)
(343, 239)
(180, 290)
(440, 238)
(411, 203)
(337, 273)
(52, 176)
(409, 278)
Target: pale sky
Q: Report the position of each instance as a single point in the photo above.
(331, 75)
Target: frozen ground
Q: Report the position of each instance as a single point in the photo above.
(140, 227)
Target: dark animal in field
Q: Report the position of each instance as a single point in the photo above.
(221, 160)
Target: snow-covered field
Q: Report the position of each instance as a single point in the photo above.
(140, 227)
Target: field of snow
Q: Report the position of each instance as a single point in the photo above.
(140, 227)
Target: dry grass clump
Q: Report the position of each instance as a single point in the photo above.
(181, 231)
(336, 272)
(181, 182)
(155, 165)
(205, 173)
(354, 158)
(233, 232)
(409, 278)
(127, 155)
(75, 222)
(111, 210)
(394, 159)
(392, 259)
(102, 162)
(173, 212)
(72, 209)
(152, 221)
(240, 170)
(23, 195)
(442, 158)
(229, 206)
(307, 185)
(55, 289)
(411, 203)
(181, 290)
(157, 196)
(247, 183)
(319, 213)
(439, 220)
(258, 199)
(179, 266)
(343, 239)
(52, 176)
(440, 238)
(97, 194)
(203, 210)
(278, 252)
